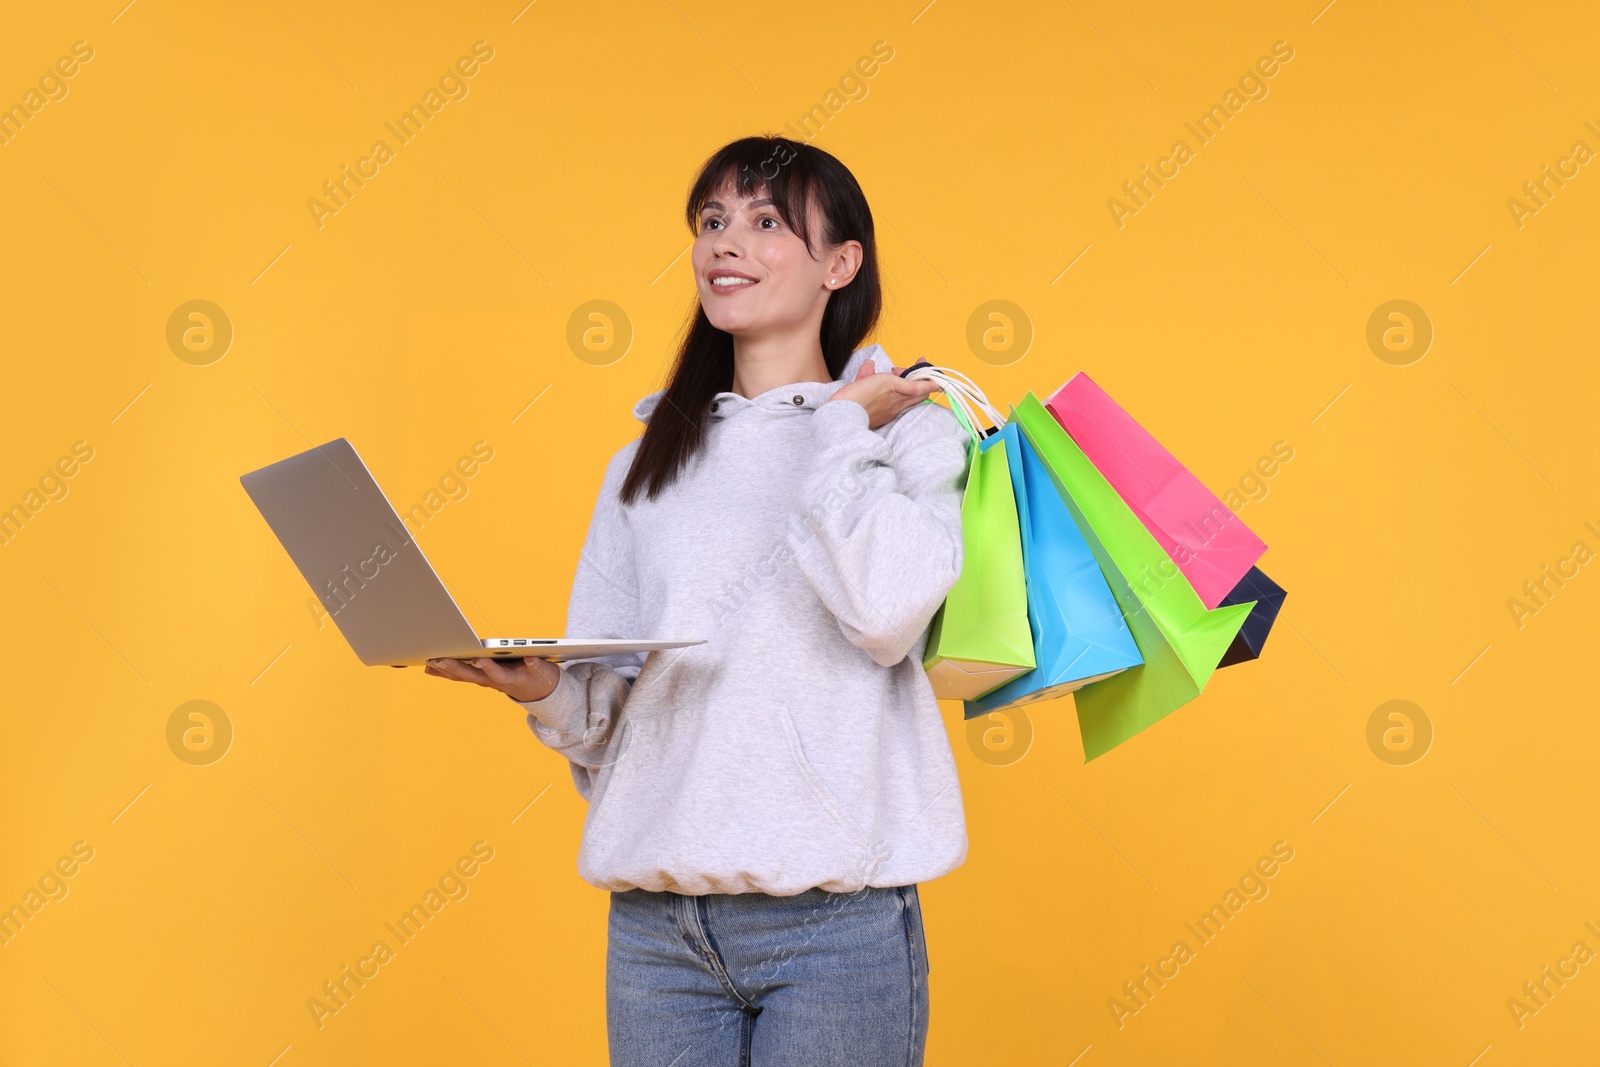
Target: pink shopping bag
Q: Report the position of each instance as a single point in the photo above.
(1210, 544)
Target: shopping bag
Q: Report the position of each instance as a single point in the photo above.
(1211, 545)
(1180, 641)
(1268, 596)
(979, 637)
(1078, 632)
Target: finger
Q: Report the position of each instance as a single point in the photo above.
(497, 672)
(460, 670)
(446, 669)
(907, 401)
(866, 368)
(917, 389)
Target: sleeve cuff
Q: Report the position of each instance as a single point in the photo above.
(561, 710)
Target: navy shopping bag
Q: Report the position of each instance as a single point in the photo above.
(1269, 596)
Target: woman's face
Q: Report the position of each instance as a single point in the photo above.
(743, 237)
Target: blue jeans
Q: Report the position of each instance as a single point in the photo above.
(752, 980)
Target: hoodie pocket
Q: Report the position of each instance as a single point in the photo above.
(813, 782)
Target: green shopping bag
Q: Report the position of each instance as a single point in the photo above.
(980, 638)
(1180, 640)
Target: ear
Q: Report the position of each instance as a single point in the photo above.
(846, 262)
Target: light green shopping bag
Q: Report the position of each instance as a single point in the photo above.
(980, 638)
(1180, 640)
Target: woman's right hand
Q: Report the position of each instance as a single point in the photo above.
(530, 678)
(884, 396)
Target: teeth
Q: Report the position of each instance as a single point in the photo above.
(725, 282)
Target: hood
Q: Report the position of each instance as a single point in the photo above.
(803, 395)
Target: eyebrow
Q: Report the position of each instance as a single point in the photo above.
(718, 205)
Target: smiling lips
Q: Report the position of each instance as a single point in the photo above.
(730, 281)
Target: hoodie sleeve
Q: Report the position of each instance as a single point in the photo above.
(878, 534)
(578, 718)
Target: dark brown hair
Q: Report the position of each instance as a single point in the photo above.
(798, 177)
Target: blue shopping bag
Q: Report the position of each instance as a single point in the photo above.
(1079, 635)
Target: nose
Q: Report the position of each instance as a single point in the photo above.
(723, 243)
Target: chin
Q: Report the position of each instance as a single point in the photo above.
(734, 324)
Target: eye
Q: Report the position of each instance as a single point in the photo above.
(770, 218)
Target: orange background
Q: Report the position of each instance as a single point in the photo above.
(1229, 313)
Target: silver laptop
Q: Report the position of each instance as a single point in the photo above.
(370, 574)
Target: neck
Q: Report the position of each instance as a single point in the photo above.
(760, 364)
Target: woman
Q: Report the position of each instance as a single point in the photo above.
(763, 805)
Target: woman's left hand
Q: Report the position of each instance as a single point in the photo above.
(884, 396)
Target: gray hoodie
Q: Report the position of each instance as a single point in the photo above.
(801, 745)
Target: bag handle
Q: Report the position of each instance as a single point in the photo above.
(966, 399)
(960, 405)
